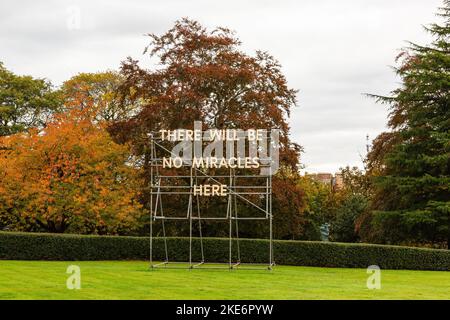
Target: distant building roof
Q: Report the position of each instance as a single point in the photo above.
(328, 178)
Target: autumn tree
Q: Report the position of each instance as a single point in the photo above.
(69, 177)
(412, 161)
(291, 222)
(203, 75)
(25, 102)
(99, 93)
(338, 206)
(318, 209)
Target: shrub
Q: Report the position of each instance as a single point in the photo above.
(347, 212)
(40, 246)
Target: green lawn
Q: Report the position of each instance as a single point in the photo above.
(133, 280)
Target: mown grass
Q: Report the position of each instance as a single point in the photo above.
(134, 280)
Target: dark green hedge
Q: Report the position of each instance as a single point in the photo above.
(39, 246)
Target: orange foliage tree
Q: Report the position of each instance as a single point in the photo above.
(99, 93)
(70, 177)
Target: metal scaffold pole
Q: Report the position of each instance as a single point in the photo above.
(151, 202)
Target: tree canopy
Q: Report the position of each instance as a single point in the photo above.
(202, 75)
(99, 93)
(69, 177)
(412, 161)
(25, 102)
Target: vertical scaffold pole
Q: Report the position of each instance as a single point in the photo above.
(236, 218)
(270, 209)
(229, 210)
(271, 230)
(151, 202)
(190, 218)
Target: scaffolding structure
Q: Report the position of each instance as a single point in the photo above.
(256, 185)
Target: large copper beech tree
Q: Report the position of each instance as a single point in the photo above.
(203, 75)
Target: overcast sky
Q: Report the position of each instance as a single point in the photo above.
(331, 51)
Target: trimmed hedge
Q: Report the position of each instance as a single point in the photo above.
(43, 246)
